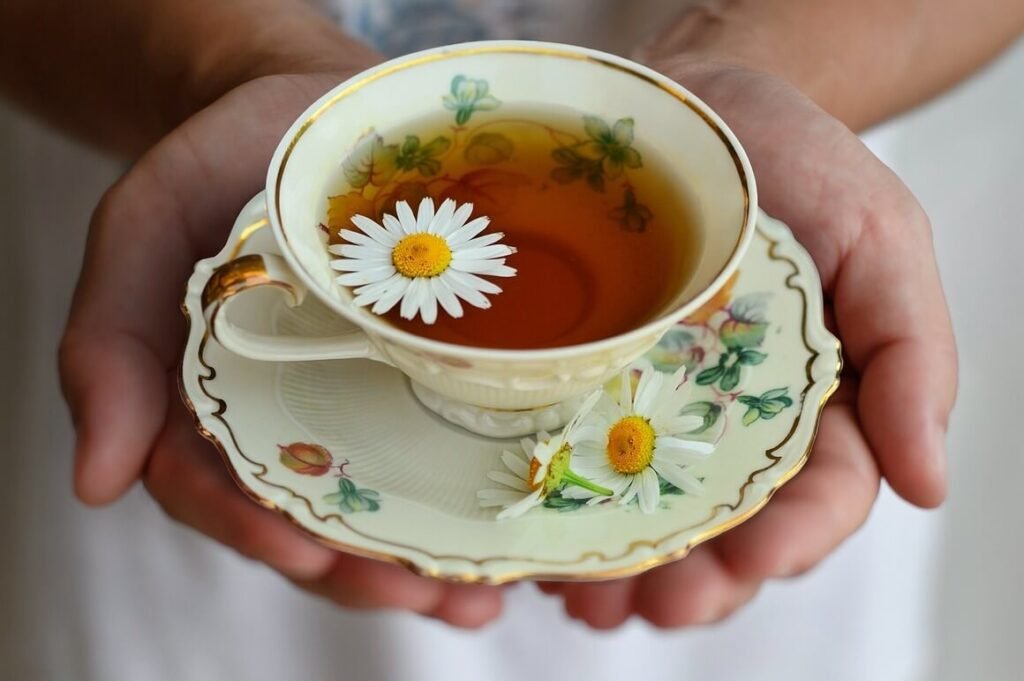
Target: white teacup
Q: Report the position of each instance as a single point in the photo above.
(499, 393)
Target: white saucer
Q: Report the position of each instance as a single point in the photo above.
(408, 483)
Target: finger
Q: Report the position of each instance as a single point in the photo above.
(894, 321)
(109, 379)
(189, 481)
(361, 583)
(812, 514)
(602, 605)
(551, 588)
(144, 240)
(469, 606)
(695, 590)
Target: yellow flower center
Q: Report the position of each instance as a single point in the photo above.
(630, 445)
(421, 255)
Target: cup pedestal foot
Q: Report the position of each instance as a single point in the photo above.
(498, 423)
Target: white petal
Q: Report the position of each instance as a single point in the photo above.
(588, 432)
(501, 271)
(354, 237)
(468, 231)
(515, 463)
(376, 232)
(406, 217)
(631, 490)
(394, 227)
(446, 297)
(472, 281)
(373, 292)
(626, 392)
(465, 291)
(490, 267)
(521, 507)
(581, 413)
(677, 424)
(545, 451)
(379, 286)
(574, 492)
(358, 264)
(442, 217)
(485, 240)
(428, 304)
(647, 392)
(686, 445)
(410, 302)
(483, 252)
(679, 477)
(508, 480)
(390, 298)
(365, 277)
(498, 497)
(375, 252)
(650, 492)
(458, 220)
(425, 214)
(678, 457)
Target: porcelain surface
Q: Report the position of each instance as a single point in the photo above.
(346, 451)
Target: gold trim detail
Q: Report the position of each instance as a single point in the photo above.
(262, 470)
(671, 89)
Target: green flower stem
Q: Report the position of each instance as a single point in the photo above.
(575, 479)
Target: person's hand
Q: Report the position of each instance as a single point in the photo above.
(872, 244)
(123, 342)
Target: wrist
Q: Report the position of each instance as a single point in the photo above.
(236, 42)
(718, 37)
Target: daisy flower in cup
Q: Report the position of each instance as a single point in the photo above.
(422, 260)
(542, 467)
(639, 439)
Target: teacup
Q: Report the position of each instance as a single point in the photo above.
(498, 393)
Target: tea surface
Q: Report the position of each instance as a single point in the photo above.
(604, 238)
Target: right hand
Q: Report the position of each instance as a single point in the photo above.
(122, 345)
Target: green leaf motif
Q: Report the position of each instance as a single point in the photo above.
(769, 405)
(708, 411)
(751, 357)
(468, 95)
(736, 334)
(603, 156)
(488, 148)
(632, 216)
(731, 378)
(371, 162)
(352, 499)
(414, 156)
(751, 415)
(709, 376)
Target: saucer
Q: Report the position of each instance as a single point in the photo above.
(347, 452)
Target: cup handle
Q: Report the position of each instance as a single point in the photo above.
(257, 270)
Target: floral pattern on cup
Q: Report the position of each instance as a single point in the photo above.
(381, 172)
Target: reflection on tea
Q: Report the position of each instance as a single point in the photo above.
(605, 237)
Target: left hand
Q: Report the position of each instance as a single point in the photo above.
(872, 244)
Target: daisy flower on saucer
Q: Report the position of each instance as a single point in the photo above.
(422, 260)
(542, 467)
(629, 443)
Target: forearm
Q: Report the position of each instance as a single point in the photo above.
(122, 73)
(862, 60)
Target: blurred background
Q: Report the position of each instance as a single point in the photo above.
(101, 594)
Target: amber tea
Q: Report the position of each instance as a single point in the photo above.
(605, 237)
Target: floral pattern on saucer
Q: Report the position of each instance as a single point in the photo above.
(345, 451)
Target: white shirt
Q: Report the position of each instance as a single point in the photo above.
(125, 594)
